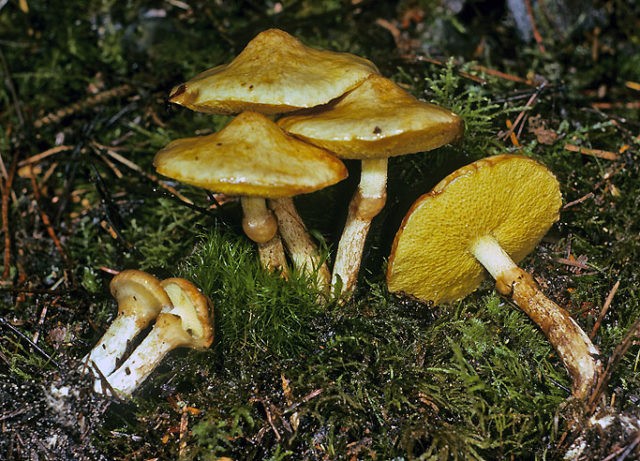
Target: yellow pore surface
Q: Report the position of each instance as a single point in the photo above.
(378, 119)
(251, 156)
(275, 73)
(512, 198)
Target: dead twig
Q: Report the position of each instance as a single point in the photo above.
(57, 116)
(604, 154)
(46, 221)
(617, 355)
(151, 177)
(605, 308)
(578, 201)
(536, 33)
(6, 192)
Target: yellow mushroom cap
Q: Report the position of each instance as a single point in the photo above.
(251, 156)
(139, 294)
(378, 119)
(512, 198)
(275, 73)
(193, 308)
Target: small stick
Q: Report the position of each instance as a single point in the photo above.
(6, 191)
(42, 155)
(43, 315)
(57, 116)
(605, 154)
(45, 219)
(503, 75)
(128, 163)
(521, 115)
(512, 135)
(578, 201)
(534, 26)
(605, 308)
(572, 262)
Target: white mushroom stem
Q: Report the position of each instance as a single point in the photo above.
(113, 344)
(260, 225)
(166, 335)
(365, 205)
(303, 252)
(575, 349)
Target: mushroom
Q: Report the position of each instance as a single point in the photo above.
(487, 216)
(187, 324)
(253, 158)
(373, 122)
(140, 299)
(275, 74)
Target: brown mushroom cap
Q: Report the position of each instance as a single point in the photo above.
(251, 156)
(512, 198)
(275, 73)
(378, 119)
(193, 308)
(138, 294)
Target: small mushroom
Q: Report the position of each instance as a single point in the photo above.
(373, 122)
(485, 217)
(274, 74)
(140, 299)
(187, 324)
(253, 158)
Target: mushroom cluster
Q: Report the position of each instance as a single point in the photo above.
(182, 316)
(484, 218)
(344, 109)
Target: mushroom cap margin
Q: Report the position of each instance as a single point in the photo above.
(512, 198)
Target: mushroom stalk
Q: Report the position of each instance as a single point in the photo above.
(113, 344)
(303, 251)
(261, 226)
(365, 205)
(575, 349)
(166, 335)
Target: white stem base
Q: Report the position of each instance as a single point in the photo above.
(366, 203)
(112, 346)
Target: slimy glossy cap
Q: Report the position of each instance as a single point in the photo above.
(251, 156)
(511, 198)
(275, 73)
(378, 119)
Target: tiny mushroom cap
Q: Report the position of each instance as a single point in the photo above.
(489, 215)
(373, 122)
(275, 73)
(187, 324)
(140, 299)
(378, 119)
(513, 199)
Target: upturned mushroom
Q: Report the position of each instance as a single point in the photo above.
(275, 74)
(373, 122)
(252, 158)
(486, 217)
(140, 299)
(186, 324)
